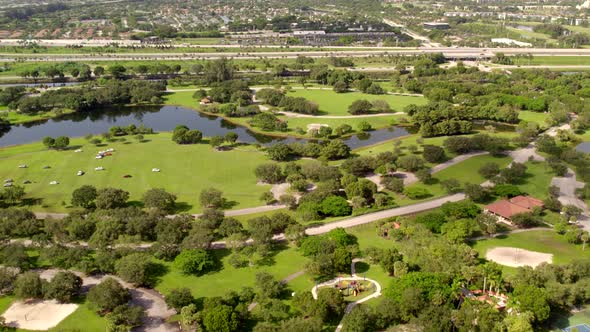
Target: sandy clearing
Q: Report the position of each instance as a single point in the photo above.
(516, 257)
(37, 315)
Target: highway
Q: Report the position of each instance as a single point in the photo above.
(449, 52)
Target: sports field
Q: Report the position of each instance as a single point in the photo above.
(185, 171)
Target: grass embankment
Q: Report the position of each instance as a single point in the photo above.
(18, 118)
(554, 61)
(185, 171)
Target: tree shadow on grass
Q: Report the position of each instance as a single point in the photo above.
(182, 207)
(30, 201)
(73, 147)
(137, 204)
(229, 204)
(155, 273)
(361, 267)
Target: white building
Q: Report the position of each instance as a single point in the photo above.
(508, 41)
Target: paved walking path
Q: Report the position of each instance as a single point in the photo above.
(370, 217)
(567, 195)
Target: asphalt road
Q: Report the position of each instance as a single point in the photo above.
(451, 52)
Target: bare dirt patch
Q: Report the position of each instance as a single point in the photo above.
(516, 257)
(37, 315)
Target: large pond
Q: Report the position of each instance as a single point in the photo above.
(584, 147)
(160, 119)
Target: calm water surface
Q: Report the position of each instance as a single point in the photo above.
(160, 119)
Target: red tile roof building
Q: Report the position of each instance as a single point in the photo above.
(505, 209)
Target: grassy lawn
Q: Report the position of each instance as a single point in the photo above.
(284, 263)
(413, 140)
(466, 171)
(186, 170)
(5, 302)
(85, 317)
(537, 180)
(332, 103)
(546, 241)
(537, 117)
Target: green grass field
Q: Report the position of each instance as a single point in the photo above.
(185, 171)
(284, 263)
(82, 317)
(537, 117)
(546, 241)
(537, 180)
(332, 103)
(466, 171)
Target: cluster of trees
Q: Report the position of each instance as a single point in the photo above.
(11, 94)
(363, 106)
(90, 98)
(268, 122)
(131, 129)
(331, 150)
(58, 71)
(58, 143)
(330, 254)
(276, 97)
(183, 135)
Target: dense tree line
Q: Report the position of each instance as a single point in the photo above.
(88, 98)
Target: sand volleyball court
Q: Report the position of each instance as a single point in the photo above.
(516, 257)
(37, 314)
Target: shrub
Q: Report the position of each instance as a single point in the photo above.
(416, 192)
(335, 206)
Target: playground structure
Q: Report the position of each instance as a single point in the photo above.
(348, 286)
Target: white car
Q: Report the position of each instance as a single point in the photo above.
(22, 166)
(53, 182)
(80, 173)
(155, 169)
(79, 150)
(99, 168)
(8, 184)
